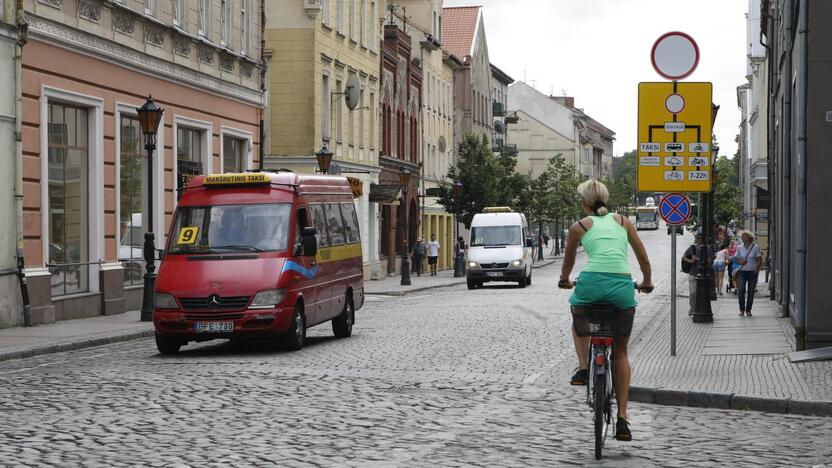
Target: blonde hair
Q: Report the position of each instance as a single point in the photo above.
(595, 195)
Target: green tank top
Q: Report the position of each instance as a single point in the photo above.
(606, 244)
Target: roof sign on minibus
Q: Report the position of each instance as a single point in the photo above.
(227, 179)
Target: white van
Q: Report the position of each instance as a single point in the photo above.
(500, 248)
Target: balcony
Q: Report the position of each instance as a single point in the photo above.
(498, 109)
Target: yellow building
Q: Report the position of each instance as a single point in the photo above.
(314, 48)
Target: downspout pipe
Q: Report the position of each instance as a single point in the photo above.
(801, 230)
(22, 31)
(786, 82)
(770, 156)
(263, 88)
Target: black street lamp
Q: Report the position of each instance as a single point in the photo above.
(324, 157)
(404, 180)
(149, 117)
(459, 255)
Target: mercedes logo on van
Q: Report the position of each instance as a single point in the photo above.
(494, 265)
(214, 301)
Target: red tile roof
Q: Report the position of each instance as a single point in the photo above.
(458, 27)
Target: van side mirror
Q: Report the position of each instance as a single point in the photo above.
(310, 242)
(529, 243)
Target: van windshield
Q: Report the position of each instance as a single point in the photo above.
(224, 228)
(489, 236)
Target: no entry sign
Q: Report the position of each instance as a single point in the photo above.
(675, 208)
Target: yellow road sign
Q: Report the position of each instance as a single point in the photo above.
(674, 137)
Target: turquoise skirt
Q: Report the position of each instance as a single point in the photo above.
(612, 288)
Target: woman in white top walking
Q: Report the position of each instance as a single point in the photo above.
(720, 261)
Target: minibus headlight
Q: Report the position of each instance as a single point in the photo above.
(164, 301)
(268, 298)
(473, 265)
(517, 263)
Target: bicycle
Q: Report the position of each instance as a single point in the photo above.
(602, 322)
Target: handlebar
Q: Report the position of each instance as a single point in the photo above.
(565, 285)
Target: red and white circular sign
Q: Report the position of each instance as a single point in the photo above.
(675, 55)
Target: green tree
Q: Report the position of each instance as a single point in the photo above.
(727, 191)
(622, 183)
(479, 173)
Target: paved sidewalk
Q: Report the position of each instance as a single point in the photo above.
(391, 286)
(734, 362)
(67, 335)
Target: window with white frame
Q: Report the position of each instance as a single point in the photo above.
(68, 198)
(372, 123)
(189, 151)
(225, 21)
(339, 112)
(326, 110)
(373, 25)
(339, 15)
(244, 27)
(150, 7)
(234, 152)
(362, 17)
(132, 199)
(326, 18)
(177, 12)
(352, 20)
(202, 19)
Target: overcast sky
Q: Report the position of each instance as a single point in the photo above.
(599, 50)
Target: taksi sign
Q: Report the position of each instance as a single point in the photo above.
(356, 186)
(674, 135)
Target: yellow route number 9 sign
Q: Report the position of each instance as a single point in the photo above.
(187, 235)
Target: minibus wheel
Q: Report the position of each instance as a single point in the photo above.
(342, 324)
(295, 337)
(167, 345)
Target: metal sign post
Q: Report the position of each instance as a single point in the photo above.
(675, 209)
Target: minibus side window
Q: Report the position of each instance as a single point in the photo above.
(300, 223)
(353, 233)
(334, 223)
(320, 224)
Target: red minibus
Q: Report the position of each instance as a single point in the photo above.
(259, 255)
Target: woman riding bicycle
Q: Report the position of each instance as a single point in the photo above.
(606, 278)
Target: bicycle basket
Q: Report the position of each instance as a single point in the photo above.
(602, 320)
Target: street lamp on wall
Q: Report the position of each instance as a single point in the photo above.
(149, 117)
(404, 181)
(324, 157)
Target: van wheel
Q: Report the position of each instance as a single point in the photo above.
(167, 344)
(522, 283)
(342, 324)
(472, 285)
(529, 280)
(294, 339)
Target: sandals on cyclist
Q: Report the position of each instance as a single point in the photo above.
(622, 430)
(580, 377)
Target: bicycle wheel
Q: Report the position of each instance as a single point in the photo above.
(600, 401)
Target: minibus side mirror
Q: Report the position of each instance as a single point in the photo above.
(310, 242)
(529, 243)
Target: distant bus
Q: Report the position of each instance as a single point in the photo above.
(650, 202)
(647, 217)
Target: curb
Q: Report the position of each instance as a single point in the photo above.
(73, 345)
(732, 401)
(544, 264)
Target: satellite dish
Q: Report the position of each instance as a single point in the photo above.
(499, 126)
(353, 91)
(442, 144)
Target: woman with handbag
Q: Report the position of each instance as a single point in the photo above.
(750, 258)
(731, 252)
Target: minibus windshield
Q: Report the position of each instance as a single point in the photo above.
(226, 228)
(493, 236)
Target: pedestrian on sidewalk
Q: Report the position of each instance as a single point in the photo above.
(719, 268)
(730, 266)
(418, 253)
(433, 254)
(750, 258)
(692, 257)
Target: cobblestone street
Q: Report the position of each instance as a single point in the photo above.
(449, 377)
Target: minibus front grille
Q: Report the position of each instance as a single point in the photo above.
(209, 316)
(214, 303)
(492, 266)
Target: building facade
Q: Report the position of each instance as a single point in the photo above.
(799, 50)
(500, 82)
(313, 48)
(11, 312)
(545, 128)
(463, 33)
(87, 67)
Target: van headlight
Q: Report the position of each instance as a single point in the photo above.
(517, 263)
(268, 299)
(164, 301)
(473, 265)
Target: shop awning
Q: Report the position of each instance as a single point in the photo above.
(385, 193)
